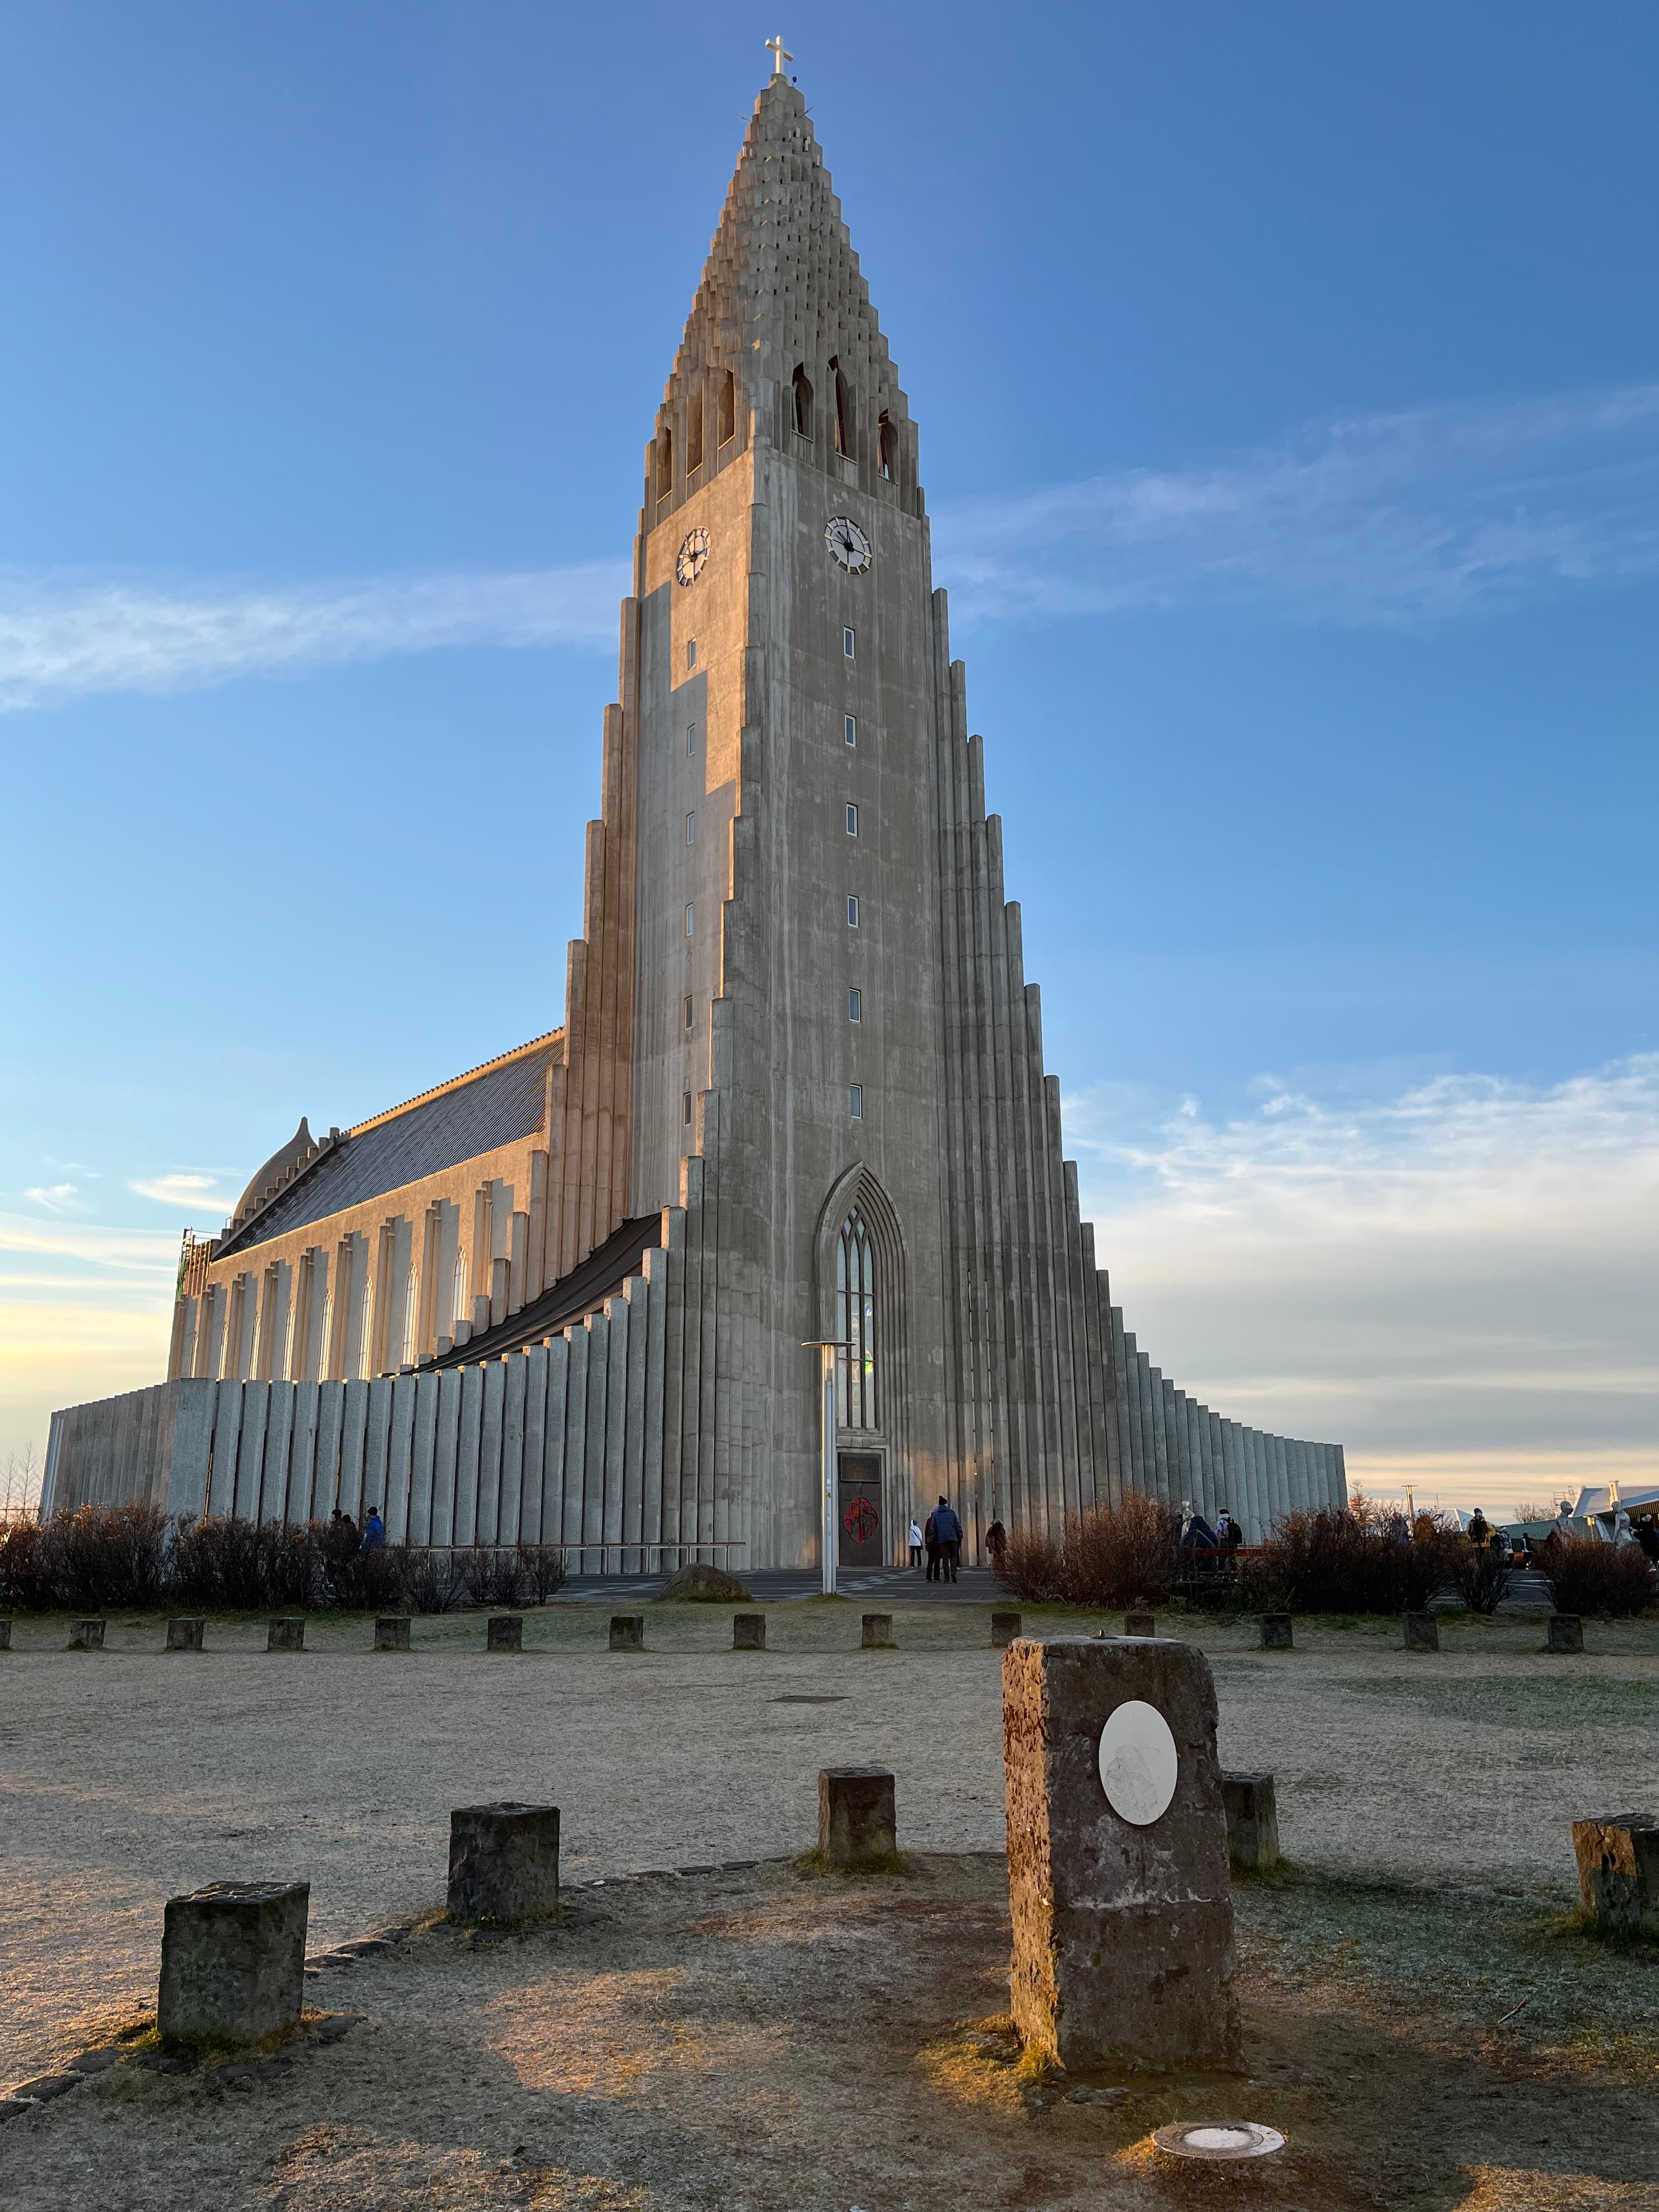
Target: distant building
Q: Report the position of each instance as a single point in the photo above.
(798, 1094)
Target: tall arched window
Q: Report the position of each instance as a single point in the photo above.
(802, 390)
(889, 447)
(411, 1314)
(728, 424)
(457, 1292)
(843, 410)
(855, 1324)
(694, 431)
(664, 462)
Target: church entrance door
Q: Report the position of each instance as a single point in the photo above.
(860, 1514)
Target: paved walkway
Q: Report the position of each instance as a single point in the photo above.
(774, 1585)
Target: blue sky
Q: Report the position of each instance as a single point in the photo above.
(1289, 405)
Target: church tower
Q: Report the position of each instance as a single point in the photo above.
(570, 1297)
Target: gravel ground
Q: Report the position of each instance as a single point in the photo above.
(132, 1774)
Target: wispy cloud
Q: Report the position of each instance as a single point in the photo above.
(1400, 519)
(60, 635)
(57, 1197)
(1464, 1273)
(185, 1191)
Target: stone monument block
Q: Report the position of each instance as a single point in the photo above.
(1141, 1624)
(1420, 1632)
(1252, 1819)
(391, 1631)
(5, 1632)
(503, 1862)
(878, 1634)
(505, 1633)
(186, 1635)
(1567, 1631)
(857, 1819)
(233, 1962)
(628, 1631)
(1277, 1632)
(1005, 1626)
(749, 1632)
(1117, 1855)
(85, 1636)
(1618, 1857)
(287, 1633)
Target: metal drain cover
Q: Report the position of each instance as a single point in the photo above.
(1218, 2140)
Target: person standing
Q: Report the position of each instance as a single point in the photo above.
(930, 1538)
(916, 1545)
(948, 1530)
(996, 1543)
(374, 1530)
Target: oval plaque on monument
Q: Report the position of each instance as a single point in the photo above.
(1138, 1763)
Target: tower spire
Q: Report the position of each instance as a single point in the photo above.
(779, 54)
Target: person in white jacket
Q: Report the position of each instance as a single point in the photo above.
(915, 1544)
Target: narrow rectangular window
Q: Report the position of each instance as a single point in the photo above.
(690, 920)
(850, 729)
(851, 821)
(688, 1013)
(685, 1107)
(847, 643)
(855, 1005)
(690, 739)
(855, 1101)
(690, 829)
(852, 911)
(691, 651)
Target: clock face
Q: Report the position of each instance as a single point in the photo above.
(693, 557)
(847, 544)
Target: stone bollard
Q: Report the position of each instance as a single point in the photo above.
(857, 1822)
(503, 1862)
(878, 1634)
(628, 1631)
(185, 1635)
(5, 1632)
(1277, 1632)
(505, 1633)
(1567, 1631)
(233, 1962)
(391, 1631)
(1252, 1819)
(1420, 1632)
(749, 1632)
(1117, 1856)
(86, 1636)
(1005, 1626)
(286, 1634)
(1618, 1860)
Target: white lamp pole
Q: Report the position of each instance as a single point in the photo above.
(827, 1347)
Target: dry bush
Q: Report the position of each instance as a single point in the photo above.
(99, 1557)
(1590, 1576)
(490, 1574)
(430, 1581)
(544, 1569)
(1110, 1557)
(1481, 1576)
(23, 1584)
(1362, 1560)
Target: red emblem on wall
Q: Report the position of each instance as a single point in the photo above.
(860, 1520)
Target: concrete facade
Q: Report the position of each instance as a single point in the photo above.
(801, 1061)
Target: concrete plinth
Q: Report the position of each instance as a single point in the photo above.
(1618, 1857)
(1567, 1631)
(628, 1631)
(391, 1631)
(5, 1632)
(1277, 1632)
(878, 1635)
(185, 1635)
(232, 1962)
(749, 1632)
(1005, 1626)
(1141, 1624)
(505, 1633)
(1419, 1632)
(85, 1636)
(1117, 1855)
(503, 1862)
(857, 1818)
(287, 1633)
(1252, 1819)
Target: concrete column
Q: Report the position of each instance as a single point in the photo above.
(1252, 1821)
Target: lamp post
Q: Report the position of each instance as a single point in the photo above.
(827, 1347)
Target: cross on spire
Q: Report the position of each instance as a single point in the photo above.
(779, 54)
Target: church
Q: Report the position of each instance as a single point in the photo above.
(795, 1130)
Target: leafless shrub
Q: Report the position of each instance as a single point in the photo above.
(544, 1570)
(1590, 1576)
(1364, 1560)
(103, 1556)
(1110, 1557)
(1481, 1576)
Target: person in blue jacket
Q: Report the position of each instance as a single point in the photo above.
(947, 1529)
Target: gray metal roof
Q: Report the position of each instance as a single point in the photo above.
(497, 1107)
